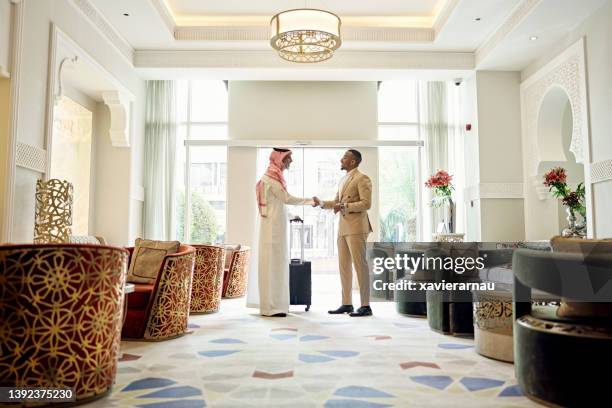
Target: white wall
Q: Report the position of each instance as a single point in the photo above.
(493, 157)
(302, 110)
(597, 31)
(32, 106)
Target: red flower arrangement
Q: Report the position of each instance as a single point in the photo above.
(442, 186)
(556, 181)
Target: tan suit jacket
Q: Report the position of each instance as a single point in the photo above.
(356, 194)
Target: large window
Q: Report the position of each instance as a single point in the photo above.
(201, 176)
(399, 172)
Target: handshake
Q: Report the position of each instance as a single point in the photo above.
(337, 207)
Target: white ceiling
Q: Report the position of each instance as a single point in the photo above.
(499, 40)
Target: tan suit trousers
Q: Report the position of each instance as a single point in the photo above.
(352, 251)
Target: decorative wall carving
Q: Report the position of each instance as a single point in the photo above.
(568, 73)
(601, 171)
(53, 216)
(31, 157)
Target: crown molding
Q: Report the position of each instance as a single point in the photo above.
(105, 28)
(248, 33)
(518, 14)
(166, 15)
(443, 15)
(389, 60)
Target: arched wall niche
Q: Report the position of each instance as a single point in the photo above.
(555, 132)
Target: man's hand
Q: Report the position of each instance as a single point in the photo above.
(316, 202)
(338, 207)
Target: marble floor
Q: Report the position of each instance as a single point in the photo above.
(235, 358)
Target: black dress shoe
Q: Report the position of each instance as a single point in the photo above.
(342, 309)
(362, 311)
(279, 315)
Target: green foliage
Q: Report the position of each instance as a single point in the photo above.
(203, 219)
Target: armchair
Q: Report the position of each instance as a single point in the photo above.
(236, 271)
(160, 311)
(60, 316)
(555, 355)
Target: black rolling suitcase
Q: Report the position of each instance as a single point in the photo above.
(300, 273)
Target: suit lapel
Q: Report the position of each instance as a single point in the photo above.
(347, 182)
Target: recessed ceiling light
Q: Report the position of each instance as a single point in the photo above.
(477, 19)
(533, 38)
(126, 14)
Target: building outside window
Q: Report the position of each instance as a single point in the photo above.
(201, 177)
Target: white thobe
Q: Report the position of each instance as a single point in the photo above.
(273, 250)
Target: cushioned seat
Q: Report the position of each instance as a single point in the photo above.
(160, 311)
(60, 316)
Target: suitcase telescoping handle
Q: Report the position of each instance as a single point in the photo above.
(299, 221)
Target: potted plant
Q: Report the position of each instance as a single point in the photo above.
(442, 189)
(556, 181)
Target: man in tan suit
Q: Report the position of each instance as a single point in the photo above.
(353, 200)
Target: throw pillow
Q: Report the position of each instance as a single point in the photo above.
(147, 259)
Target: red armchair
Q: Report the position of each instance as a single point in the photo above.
(207, 279)
(160, 311)
(235, 276)
(60, 316)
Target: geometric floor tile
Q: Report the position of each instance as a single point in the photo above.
(283, 336)
(129, 357)
(478, 383)
(174, 392)
(147, 383)
(272, 376)
(347, 403)
(454, 346)
(412, 364)
(340, 353)
(439, 382)
(354, 391)
(227, 341)
(312, 338)
(512, 391)
(175, 404)
(314, 358)
(217, 353)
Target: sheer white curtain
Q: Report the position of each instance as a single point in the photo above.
(434, 131)
(160, 156)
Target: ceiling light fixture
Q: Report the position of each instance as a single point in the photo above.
(533, 38)
(305, 35)
(477, 19)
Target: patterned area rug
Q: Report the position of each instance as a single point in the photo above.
(235, 358)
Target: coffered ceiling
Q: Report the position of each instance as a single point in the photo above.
(451, 35)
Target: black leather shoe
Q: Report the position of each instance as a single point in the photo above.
(362, 311)
(342, 309)
(279, 315)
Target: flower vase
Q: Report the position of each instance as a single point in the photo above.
(450, 216)
(576, 227)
